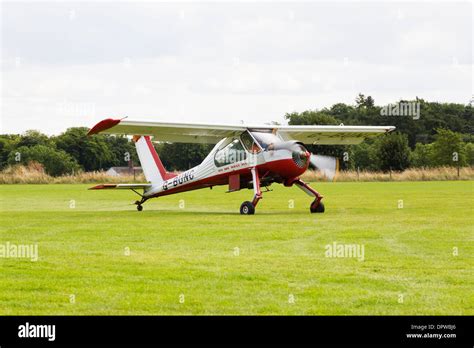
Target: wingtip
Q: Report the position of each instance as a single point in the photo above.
(103, 125)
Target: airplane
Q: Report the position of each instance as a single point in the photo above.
(244, 156)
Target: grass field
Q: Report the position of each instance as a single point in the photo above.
(205, 258)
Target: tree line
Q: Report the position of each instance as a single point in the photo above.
(441, 135)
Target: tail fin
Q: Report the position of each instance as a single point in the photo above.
(153, 169)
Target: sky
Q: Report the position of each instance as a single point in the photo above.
(71, 64)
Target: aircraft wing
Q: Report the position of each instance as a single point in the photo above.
(170, 132)
(213, 133)
(332, 135)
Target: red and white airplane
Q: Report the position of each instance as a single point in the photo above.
(245, 156)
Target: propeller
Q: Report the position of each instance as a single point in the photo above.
(328, 165)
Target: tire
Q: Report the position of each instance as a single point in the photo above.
(247, 208)
(139, 208)
(317, 209)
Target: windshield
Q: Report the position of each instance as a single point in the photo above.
(249, 143)
(230, 153)
(266, 139)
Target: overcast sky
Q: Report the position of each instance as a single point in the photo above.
(72, 64)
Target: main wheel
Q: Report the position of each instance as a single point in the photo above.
(139, 207)
(247, 208)
(316, 208)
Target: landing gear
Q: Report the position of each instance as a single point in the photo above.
(139, 203)
(247, 208)
(316, 207)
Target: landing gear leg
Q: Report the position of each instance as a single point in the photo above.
(248, 208)
(316, 206)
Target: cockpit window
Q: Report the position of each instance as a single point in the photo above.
(249, 143)
(231, 153)
(266, 139)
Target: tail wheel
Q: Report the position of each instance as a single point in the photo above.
(247, 208)
(317, 208)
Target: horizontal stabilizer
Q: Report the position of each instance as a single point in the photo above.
(120, 186)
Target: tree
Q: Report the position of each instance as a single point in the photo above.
(92, 153)
(469, 148)
(311, 117)
(7, 144)
(392, 151)
(360, 100)
(123, 150)
(32, 138)
(422, 155)
(448, 149)
(55, 162)
(179, 156)
(364, 102)
(364, 157)
(369, 102)
(340, 111)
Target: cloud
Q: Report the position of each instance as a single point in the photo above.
(71, 64)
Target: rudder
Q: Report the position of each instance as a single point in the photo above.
(153, 169)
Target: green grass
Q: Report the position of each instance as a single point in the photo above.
(190, 251)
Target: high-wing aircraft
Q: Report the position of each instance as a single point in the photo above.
(244, 156)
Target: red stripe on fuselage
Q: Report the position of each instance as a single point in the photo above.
(273, 167)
